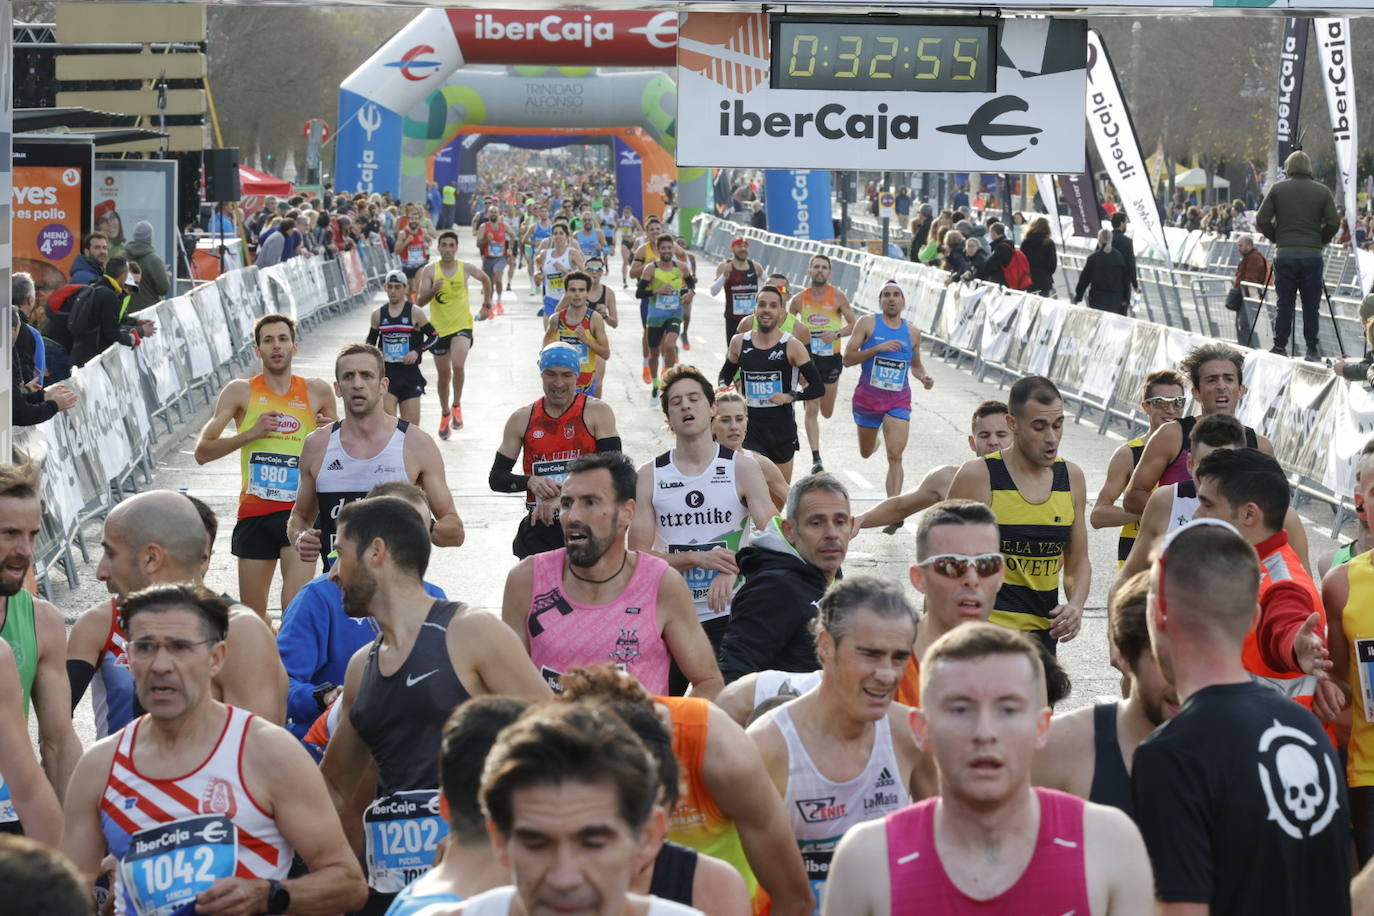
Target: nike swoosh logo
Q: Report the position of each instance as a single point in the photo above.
(412, 681)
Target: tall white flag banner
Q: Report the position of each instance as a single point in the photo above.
(1044, 185)
(1118, 148)
(1338, 76)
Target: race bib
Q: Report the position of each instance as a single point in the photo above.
(743, 303)
(816, 856)
(556, 282)
(698, 580)
(168, 865)
(575, 342)
(888, 374)
(760, 386)
(273, 476)
(820, 347)
(665, 306)
(495, 249)
(395, 348)
(416, 254)
(1364, 663)
(402, 833)
(7, 813)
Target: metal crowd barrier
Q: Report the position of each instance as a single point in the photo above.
(93, 454)
(1317, 422)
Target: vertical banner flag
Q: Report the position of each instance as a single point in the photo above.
(1292, 62)
(1338, 74)
(1044, 184)
(1118, 148)
(798, 203)
(1081, 197)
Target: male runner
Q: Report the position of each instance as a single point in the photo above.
(412, 242)
(1348, 596)
(552, 265)
(1285, 645)
(1161, 401)
(698, 500)
(1216, 371)
(629, 230)
(840, 754)
(273, 412)
(317, 638)
(493, 241)
(727, 807)
(990, 841)
(203, 804)
(341, 462)
(514, 219)
(537, 230)
(159, 538)
(741, 277)
(1038, 499)
(989, 433)
(34, 628)
(825, 311)
(549, 434)
(589, 237)
(577, 325)
(468, 865)
(889, 350)
(595, 599)
(404, 332)
(453, 650)
(666, 283)
(571, 800)
(446, 283)
(28, 803)
(1173, 506)
(768, 360)
(1088, 752)
(690, 260)
(645, 252)
(1238, 796)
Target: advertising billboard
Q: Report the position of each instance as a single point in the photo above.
(52, 208)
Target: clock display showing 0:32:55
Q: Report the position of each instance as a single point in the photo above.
(893, 56)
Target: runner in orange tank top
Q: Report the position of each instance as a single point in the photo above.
(824, 310)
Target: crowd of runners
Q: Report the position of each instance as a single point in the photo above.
(685, 704)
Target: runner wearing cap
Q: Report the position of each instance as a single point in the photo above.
(578, 326)
(550, 433)
(404, 332)
(889, 349)
(446, 283)
(741, 277)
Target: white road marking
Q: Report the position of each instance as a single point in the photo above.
(858, 479)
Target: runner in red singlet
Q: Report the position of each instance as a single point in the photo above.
(989, 843)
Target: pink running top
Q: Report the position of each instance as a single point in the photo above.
(564, 634)
(1054, 881)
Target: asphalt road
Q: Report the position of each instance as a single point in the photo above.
(502, 376)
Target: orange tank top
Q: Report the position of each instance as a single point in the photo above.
(270, 466)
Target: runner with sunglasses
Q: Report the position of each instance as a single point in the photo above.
(1039, 500)
(1163, 400)
(1216, 371)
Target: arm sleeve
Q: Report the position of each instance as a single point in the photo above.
(814, 386)
(728, 372)
(1170, 805)
(1284, 608)
(79, 674)
(717, 286)
(301, 647)
(373, 335)
(429, 337)
(755, 627)
(502, 480)
(608, 444)
(1357, 372)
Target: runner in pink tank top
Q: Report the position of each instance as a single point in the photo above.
(563, 633)
(1054, 880)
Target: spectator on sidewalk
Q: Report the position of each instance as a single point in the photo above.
(90, 263)
(1362, 371)
(994, 267)
(1299, 216)
(920, 230)
(1104, 277)
(1252, 271)
(30, 403)
(1123, 243)
(153, 285)
(106, 319)
(1038, 247)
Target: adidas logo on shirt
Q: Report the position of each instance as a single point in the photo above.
(335, 465)
(884, 779)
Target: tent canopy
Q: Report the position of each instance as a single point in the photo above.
(1197, 178)
(253, 183)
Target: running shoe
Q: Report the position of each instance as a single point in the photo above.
(892, 528)
(500, 308)
(648, 376)
(457, 417)
(817, 468)
(653, 396)
(686, 344)
(443, 426)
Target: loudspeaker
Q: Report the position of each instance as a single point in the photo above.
(222, 174)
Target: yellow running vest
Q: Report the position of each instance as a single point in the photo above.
(1357, 621)
(1130, 531)
(1034, 536)
(449, 310)
(270, 467)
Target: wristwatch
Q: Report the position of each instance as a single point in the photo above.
(278, 897)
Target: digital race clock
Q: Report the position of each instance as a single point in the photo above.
(890, 55)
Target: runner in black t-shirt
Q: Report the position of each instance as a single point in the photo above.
(1240, 798)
